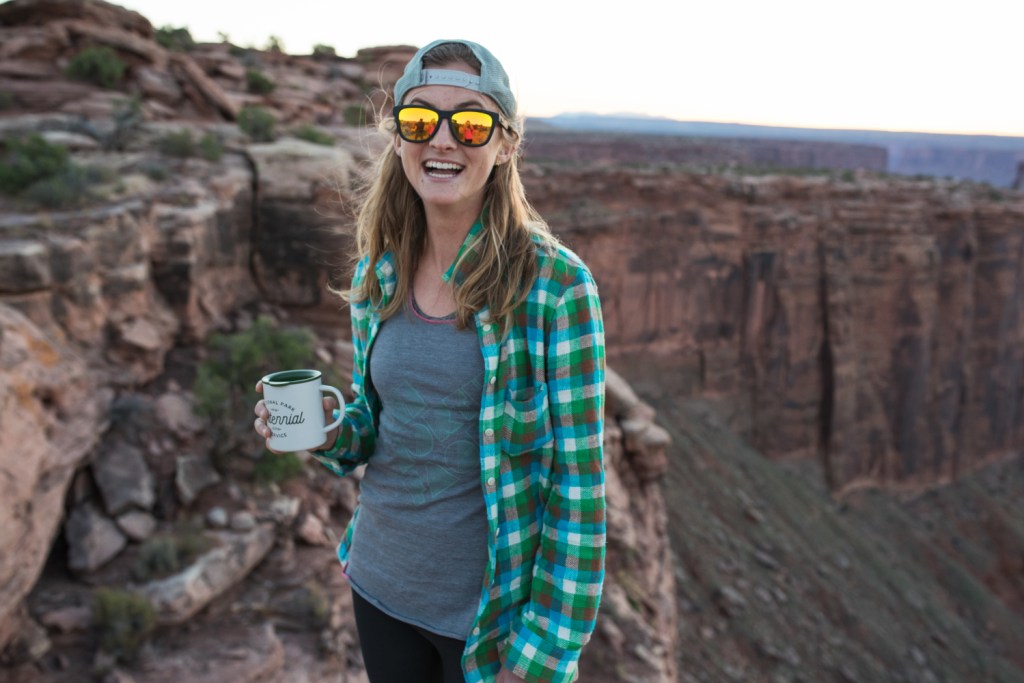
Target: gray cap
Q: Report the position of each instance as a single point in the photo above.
(493, 81)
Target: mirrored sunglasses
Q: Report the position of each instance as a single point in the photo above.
(470, 127)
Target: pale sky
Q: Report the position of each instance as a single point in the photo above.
(914, 65)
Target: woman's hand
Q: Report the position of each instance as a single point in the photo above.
(506, 676)
(263, 414)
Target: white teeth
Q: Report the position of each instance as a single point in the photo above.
(442, 166)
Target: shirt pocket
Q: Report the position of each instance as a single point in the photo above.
(527, 421)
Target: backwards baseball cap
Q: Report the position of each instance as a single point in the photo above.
(492, 81)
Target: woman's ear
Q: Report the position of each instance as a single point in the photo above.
(505, 153)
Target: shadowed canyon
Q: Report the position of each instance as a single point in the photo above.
(815, 396)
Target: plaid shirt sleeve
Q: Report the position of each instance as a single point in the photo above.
(357, 434)
(551, 629)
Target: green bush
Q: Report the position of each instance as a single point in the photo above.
(155, 169)
(178, 144)
(165, 554)
(257, 123)
(274, 468)
(314, 135)
(257, 82)
(210, 147)
(177, 39)
(314, 604)
(182, 145)
(158, 556)
(98, 65)
(355, 115)
(127, 118)
(226, 378)
(70, 188)
(124, 622)
(29, 160)
(321, 51)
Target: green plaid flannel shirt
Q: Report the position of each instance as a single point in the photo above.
(541, 466)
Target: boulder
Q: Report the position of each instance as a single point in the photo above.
(93, 539)
(54, 415)
(180, 596)
(123, 477)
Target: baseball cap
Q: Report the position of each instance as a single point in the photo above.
(492, 81)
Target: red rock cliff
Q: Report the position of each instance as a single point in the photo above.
(876, 324)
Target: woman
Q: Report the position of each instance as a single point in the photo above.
(477, 549)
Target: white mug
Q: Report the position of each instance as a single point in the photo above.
(295, 402)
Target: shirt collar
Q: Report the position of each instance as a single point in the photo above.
(468, 255)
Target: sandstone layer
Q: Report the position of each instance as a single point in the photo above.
(874, 324)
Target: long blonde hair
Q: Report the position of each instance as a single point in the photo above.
(498, 268)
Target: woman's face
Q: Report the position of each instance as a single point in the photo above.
(448, 175)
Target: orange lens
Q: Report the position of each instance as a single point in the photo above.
(472, 127)
(417, 123)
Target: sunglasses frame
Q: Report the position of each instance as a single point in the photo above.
(446, 114)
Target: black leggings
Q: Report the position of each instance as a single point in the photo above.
(397, 652)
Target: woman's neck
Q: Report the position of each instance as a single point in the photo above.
(446, 232)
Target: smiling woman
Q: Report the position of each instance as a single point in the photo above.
(477, 550)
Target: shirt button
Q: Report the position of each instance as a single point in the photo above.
(487, 327)
(476, 630)
(489, 432)
(490, 482)
(493, 380)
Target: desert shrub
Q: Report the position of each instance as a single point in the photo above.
(182, 145)
(315, 135)
(177, 39)
(158, 556)
(275, 44)
(70, 188)
(274, 468)
(154, 169)
(257, 82)
(355, 115)
(98, 65)
(124, 622)
(165, 554)
(257, 123)
(29, 160)
(210, 147)
(226, 378)
(178, 144)
(313, 604)
(127, 118)
(321, 51)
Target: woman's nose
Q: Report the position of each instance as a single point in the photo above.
(444, 137)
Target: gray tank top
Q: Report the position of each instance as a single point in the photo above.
(419, 551)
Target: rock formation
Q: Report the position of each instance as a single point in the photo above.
(874, 323)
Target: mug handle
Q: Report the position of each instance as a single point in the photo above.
(341, 407)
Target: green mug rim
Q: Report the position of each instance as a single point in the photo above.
(285, 378)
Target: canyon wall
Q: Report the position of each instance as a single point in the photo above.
(876, 324)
